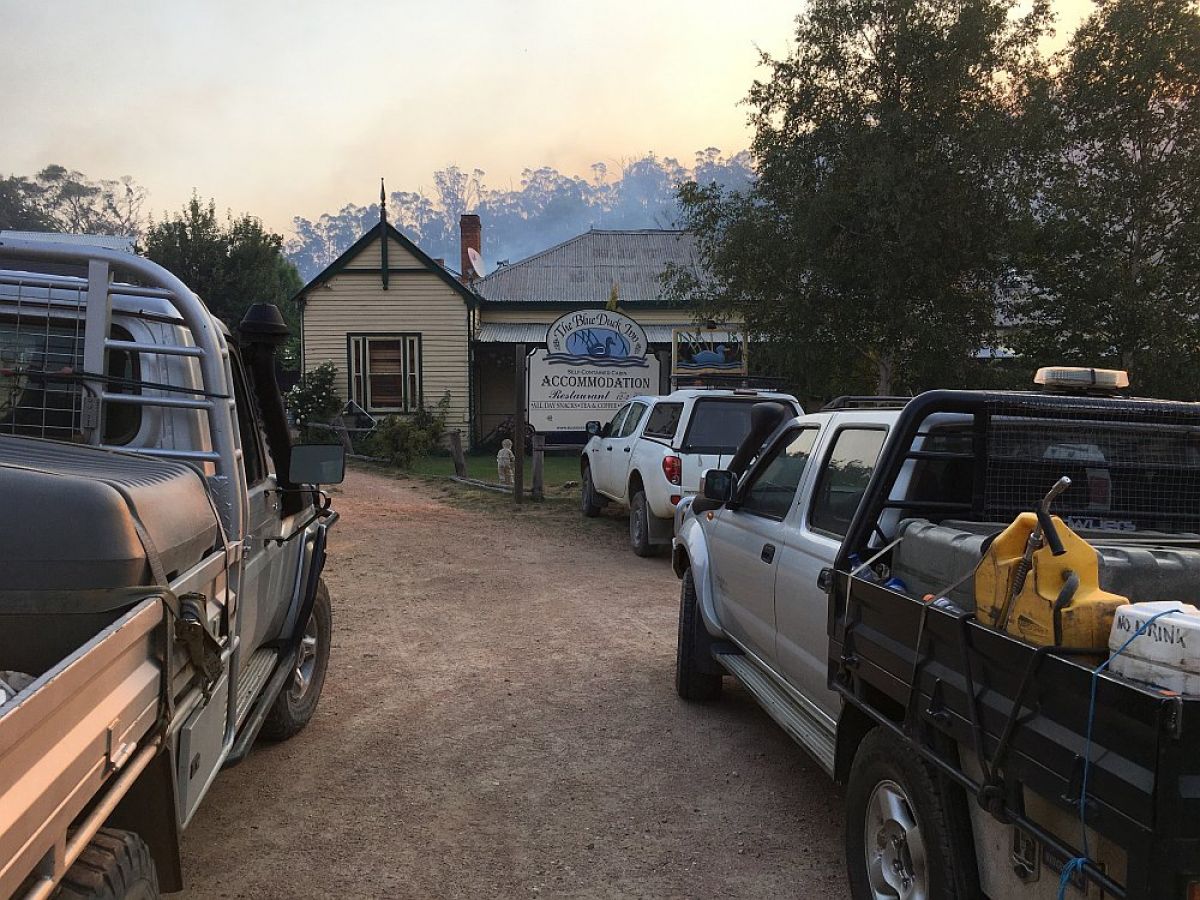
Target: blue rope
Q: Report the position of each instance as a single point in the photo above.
(1077, 863)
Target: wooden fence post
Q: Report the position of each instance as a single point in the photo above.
(456, 452)
(518, 437)
(539, 458)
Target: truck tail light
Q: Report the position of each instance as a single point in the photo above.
(1193, 889)
(673, 469)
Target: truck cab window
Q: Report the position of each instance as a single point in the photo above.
(252, 449)
(843, 479)
(664, 420)
(632, 419)
(614, 426)
(775, 482)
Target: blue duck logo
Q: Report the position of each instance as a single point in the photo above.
(596, 338)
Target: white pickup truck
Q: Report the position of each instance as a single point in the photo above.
(655, 450)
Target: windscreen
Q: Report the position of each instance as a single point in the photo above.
(718, 425)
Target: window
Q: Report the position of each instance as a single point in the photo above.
(843, 479)
(663, 421)
(775, 481)
(629, 426)
(615, 425)
(718, 426)
(36, 403)
(385, 372)
(252, 449)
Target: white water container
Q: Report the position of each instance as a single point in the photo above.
(1166, 654)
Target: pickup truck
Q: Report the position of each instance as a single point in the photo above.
(654, 450)
(161, 600)
(830, 573)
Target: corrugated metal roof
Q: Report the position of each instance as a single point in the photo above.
(583, 269)
(533, 333)
(122, 242)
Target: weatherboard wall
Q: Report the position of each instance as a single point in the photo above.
(417, 301)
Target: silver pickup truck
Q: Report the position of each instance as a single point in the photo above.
(161, 601)
(835, 569)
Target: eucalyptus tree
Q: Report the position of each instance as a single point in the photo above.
(868, 251)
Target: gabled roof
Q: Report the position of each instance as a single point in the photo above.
(583, 269)
(383, 231)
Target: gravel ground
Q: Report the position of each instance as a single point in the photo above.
(499, 720)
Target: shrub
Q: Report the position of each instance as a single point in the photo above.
(313, 399)
(404, 439)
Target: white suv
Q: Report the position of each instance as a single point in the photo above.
(655, 451)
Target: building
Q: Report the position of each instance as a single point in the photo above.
(403, 329)
(395, 322)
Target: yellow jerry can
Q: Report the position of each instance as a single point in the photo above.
(1086, 618)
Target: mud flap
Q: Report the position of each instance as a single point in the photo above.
(661, 530)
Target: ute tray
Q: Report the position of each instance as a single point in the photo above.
(949, 686)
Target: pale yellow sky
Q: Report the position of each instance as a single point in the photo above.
(295, 108)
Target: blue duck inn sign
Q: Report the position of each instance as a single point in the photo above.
(594, 361)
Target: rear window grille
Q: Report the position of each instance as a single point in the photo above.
(41, 355)
(41, 366)
(1124, 477)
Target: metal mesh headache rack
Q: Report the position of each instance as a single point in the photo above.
(69, 372)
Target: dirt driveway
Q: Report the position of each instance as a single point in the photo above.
(499, 720)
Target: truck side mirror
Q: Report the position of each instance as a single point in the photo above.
(719, 485)
(593, 428)
(317, 464)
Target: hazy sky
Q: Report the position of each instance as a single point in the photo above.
(295, 108)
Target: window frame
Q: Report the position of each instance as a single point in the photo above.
(412, 377)
(831, 446)
(785, 440)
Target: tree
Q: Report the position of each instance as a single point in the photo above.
(18, 210)
(231, 265)
(868, 250)
(61, 200)
(1114, 267)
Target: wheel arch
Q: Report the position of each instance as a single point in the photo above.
(148, 810)
(854, 725)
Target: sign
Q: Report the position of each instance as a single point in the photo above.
(594, 361)
(708, 351)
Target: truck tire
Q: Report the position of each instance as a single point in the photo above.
(116, 865)
(690, 682)
(297, 701)
(639, 525)
(900, 834)
(590, 503)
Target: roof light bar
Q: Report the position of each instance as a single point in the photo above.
(1081, 378)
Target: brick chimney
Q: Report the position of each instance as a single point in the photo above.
(471, 238)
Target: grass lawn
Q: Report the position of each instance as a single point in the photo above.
(559, 469)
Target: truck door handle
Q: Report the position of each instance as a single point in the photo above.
(626, 449)
(609, 449)
(768, 553)
(825, 580)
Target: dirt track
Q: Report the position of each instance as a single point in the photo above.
(499, 720)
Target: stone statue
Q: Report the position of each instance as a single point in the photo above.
(504, 462)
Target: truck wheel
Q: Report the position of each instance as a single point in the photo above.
(639, 525)
(116, 865)
(690, 682)
(590, 503)
(899, 842)
(297, 702)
